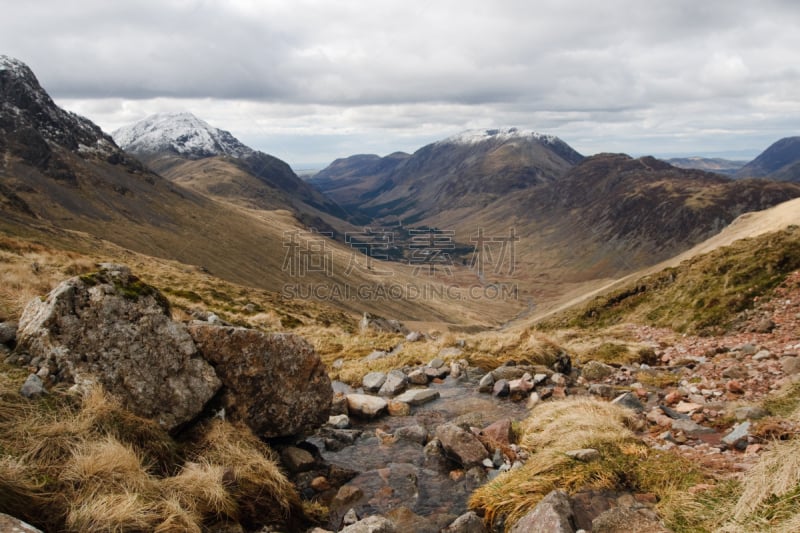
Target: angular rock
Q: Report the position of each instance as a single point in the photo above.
(486, 383)
(378, 323)
(297, 459)
(436, 362)
(461, 445)
(339, 421)
(690, 427)
(437, 373)
(737, 438)
(553, 514)
(375, 355)
(273, 382)
(533, 400)
(602, 390)
(396, 382)
(790, 365)
(499, 432)
(763, 355)
(449, 352)
(627, 519)
(418, 396)
(501, 388)
(414, 433)
(418, 377)
(595, 370)
(466, 523)
(371, 524)
(9, 524)
(630, 401)
(522, 385)
(33, 387)
(558, 379)
(373, 381)
(414, 336)
(365, 406)
(110, 328)
(507, 373)
(8, 332)
(584, 454)
(397, 408)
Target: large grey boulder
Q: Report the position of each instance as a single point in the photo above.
(274, 382)
(111, 329)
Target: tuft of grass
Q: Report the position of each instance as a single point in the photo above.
(115, 512)
(263, 493)
(770, 492)
(554, 428)
(202, 489)
(785, 402)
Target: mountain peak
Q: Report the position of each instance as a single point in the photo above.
(499, 134)
(181, 133)
(26, 107)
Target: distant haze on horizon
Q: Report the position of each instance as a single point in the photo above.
(311, 81)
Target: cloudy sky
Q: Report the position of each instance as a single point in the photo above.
(312, 80)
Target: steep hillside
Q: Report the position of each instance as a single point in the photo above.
(349, 181)
(705, 294)
(779, 161)
(64, 182)
(650, 207)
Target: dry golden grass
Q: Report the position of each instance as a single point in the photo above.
(114, 512)
(201, 488)
(770, 492)
(89, 465)
(261, 490)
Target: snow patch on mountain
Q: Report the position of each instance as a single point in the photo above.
(498, 134)
(181, 133)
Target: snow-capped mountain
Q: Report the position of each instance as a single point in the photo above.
(179, 133)
(500, 135)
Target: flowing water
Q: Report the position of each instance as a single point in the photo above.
(398, 479)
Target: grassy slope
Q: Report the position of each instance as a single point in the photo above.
(703, 294)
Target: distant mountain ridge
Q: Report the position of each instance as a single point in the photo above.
(719, 165)
(780, 161)
(467, 170)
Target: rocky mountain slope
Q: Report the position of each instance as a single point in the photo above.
(187, 150)
(466, 171)
(62, 179)
(779, 161)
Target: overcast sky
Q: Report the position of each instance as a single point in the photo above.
(309, 81)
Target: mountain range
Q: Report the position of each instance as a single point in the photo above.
(527, 206)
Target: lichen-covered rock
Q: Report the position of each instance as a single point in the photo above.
(110, 328)
(273, 382)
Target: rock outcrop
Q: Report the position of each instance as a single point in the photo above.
(111, 329)
(273, 382)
